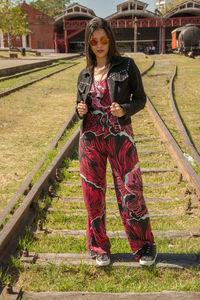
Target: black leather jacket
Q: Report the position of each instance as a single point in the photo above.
(125, 87)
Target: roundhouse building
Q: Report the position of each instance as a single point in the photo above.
(69, 37)
(145, 37)
(69, 32)
(134, 26)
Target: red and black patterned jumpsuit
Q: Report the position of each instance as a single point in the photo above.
(102, 137)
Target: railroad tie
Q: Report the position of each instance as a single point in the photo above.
(111, 186)
(143, 170)
(161, 234)
(113, 199)
(118, 260)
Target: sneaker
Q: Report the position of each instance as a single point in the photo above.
(92, 254)
(148, 255)
(103, 259)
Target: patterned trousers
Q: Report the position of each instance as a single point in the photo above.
(119, 147)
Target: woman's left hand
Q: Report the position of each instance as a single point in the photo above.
(117, 110)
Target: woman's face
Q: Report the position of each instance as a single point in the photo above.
(100, 38)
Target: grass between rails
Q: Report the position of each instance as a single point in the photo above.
(50, 156)
(147, 177)
(67, 205)
(158, 93)
(78, 221)
(29, 121)
(187, 98)
(109, 279)
(12, 83)
(70, 244)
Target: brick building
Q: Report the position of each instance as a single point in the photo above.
(41, 32)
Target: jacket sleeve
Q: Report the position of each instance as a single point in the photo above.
(138, 96)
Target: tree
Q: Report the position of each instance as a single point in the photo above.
(171, 4)
(50, 7)
(12, 20)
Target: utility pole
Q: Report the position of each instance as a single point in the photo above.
(135, 34)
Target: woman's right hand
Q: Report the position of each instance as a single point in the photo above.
(82, 109)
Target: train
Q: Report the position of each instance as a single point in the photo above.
(186, 40)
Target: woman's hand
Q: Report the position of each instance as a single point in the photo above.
(117, 110)
(82, 109)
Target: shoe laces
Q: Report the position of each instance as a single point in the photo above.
(148, 250)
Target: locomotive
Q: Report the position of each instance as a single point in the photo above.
(186, 40)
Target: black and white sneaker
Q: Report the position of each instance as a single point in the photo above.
(149, 255)
(103, 259)
(92, 254)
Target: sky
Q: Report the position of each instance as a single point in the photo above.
(104, 8)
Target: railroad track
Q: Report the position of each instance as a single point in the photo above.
(37, 74)
(33, 70)
(170, 111)
(183, 129)
(171, 189)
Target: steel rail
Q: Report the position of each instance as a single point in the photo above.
(35, 69)
(25, 187)
(6, 93)
(180, 124)
(164, 295)
(149, 68)
(29, 72)
(175, 151)
(15, 225)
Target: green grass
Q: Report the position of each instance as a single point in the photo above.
(177, 204)
(93, 279)
(187, 99)
(52, 154)
(147, 177)
(45, 243)
(78, 221)
(186, 96)
(29, 121)
(142, 63)
(11, 83)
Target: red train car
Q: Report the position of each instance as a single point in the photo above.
(186, 39)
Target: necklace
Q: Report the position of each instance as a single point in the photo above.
(99, 73)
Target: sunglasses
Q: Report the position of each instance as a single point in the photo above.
(103, 41)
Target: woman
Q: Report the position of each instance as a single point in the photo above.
(110, 91)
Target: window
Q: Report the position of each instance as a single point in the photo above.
(39, 17)
(40, 44)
